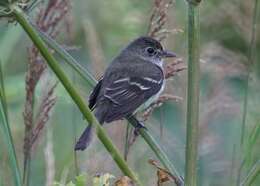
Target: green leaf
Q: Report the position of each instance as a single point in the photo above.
(254, 134)
(81, 180)
(252, 140)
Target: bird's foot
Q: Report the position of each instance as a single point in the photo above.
(138, 127)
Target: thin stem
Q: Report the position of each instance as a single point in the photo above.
(27, 168)
(74, 128)
(192, 117)
(27, 142)
(157, 150)
(126, 147)
(251, 55)
(6, 133)
(53, 64)
(252, 174)
(86, 75)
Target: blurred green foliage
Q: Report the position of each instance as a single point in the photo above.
(225, 37)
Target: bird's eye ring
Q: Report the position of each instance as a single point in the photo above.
(150, 50)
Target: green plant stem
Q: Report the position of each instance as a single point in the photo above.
(27, 169)
(127, 134)
(161, 155)
(53, 64)
(74, 128)
(253, 173)
(6, 133)
(85, 74)
(192, 117)
(157, 150)
(251, 55)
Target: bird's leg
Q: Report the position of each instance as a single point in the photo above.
(139, 126)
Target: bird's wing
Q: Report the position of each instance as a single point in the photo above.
(94, 94)
(127, 91)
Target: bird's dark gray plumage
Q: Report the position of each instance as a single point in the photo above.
(132, 78)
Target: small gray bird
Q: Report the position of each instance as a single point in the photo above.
(133, 80)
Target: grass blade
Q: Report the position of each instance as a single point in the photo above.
(6, 132)
(85, 74)
(157, 149)
(249, 146)
(54, 65)
(252, 175)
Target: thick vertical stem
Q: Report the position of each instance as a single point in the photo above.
(192, 119)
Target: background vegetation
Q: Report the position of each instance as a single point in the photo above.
(93, 32)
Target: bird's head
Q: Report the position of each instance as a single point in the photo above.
(149, 49)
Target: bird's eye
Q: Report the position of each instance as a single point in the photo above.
(150, 51)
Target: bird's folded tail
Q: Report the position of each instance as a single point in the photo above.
(84, 139)
(86, 136)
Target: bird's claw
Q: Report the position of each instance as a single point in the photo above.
(138, 127)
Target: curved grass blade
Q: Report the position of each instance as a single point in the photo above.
(6, 132)
(22, 19)
(85, 74)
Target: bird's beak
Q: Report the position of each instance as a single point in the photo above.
(167, 54)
